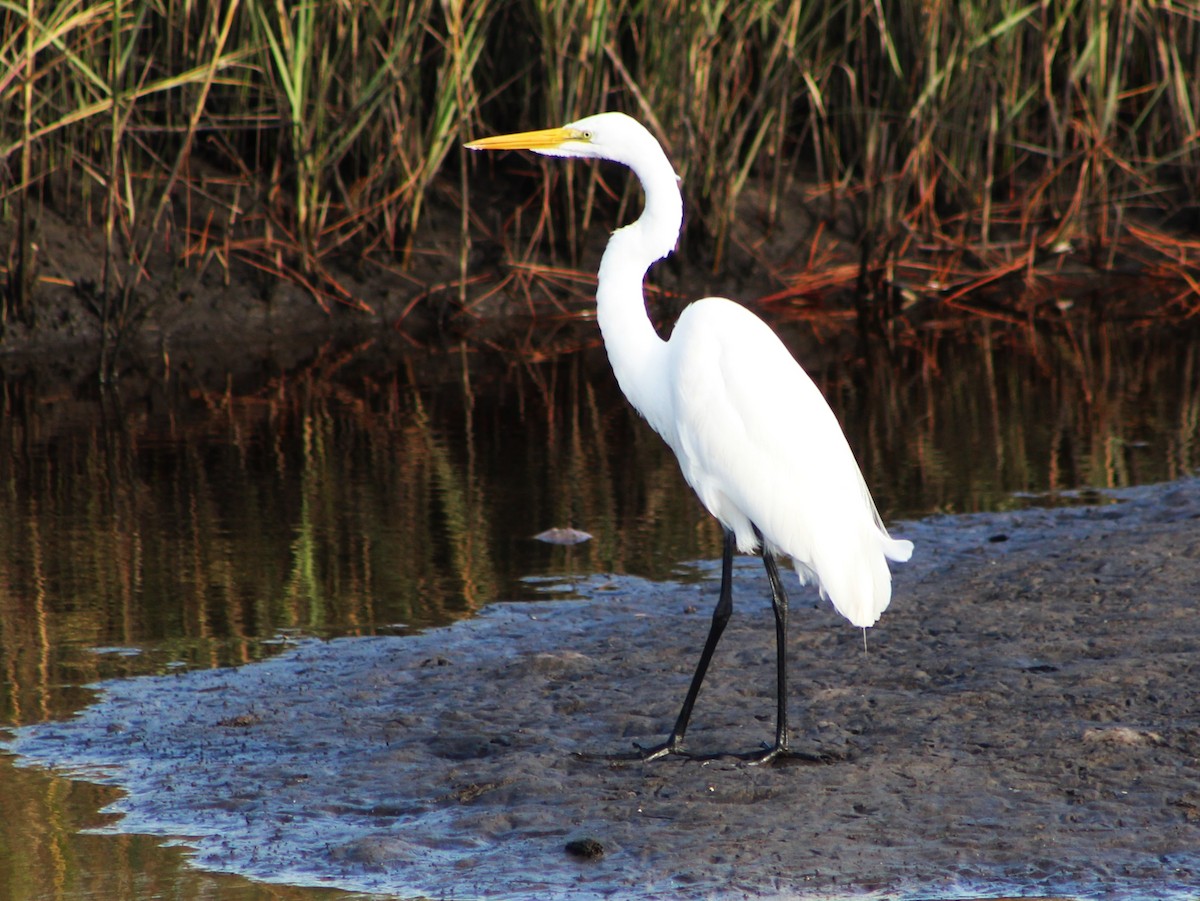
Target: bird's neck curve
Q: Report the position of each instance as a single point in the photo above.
(635, 350)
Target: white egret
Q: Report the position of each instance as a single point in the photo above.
(754, 436)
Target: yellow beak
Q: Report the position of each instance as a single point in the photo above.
(545, 139)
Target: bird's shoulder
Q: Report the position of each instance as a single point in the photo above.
(720, 339)
(736, 389)
(720, 311)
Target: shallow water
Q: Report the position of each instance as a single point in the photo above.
(187, 526)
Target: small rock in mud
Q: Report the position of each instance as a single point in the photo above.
(585, 848)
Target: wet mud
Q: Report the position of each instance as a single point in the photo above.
(1024, 720)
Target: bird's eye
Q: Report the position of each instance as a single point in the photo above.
(586, 135)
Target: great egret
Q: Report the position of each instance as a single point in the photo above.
(753, 434)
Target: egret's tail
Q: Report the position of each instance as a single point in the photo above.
(860, 585)
(898, 550)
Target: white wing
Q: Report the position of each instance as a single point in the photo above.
(759, 444)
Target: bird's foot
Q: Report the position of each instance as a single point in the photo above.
(764, 756)
(777, 754)
(672, 746)
(767, 755)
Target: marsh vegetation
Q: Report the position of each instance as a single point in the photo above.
(894, 152)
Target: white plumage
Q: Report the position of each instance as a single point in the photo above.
(760, 446)
(754, 436)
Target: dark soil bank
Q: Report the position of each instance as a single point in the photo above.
(1024, 719)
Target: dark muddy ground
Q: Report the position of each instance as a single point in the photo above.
(226, 317)
(1024, 720)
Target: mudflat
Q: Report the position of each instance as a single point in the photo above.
(1024, 719)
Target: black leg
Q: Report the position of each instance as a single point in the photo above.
(779, 602)
(724, 609)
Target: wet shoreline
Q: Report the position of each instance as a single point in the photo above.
(1023, 720)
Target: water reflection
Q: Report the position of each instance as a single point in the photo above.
(195, 526)
(46, 852)
(978, 421)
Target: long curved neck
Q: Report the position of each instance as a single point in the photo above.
(634, 349)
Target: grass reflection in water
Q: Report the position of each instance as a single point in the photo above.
(195, 528)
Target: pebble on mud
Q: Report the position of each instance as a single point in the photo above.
(586, 848)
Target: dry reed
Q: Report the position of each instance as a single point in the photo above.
(962, 139)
